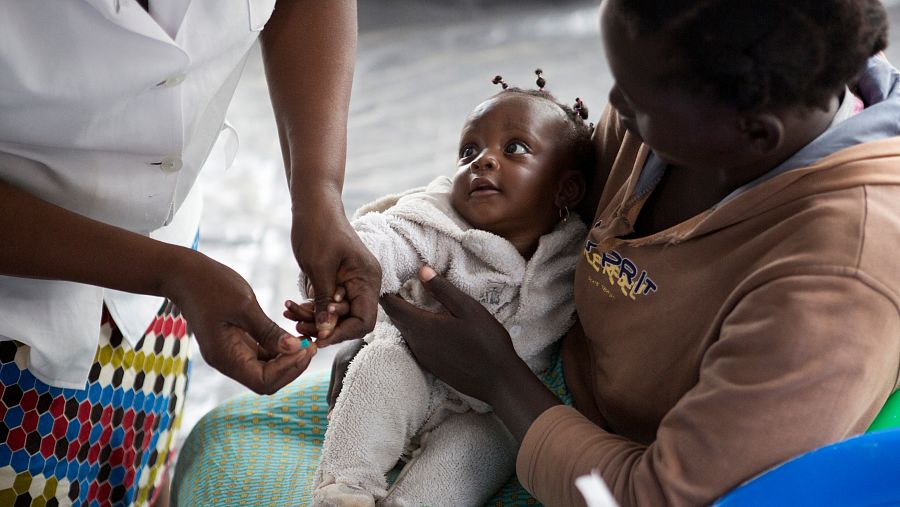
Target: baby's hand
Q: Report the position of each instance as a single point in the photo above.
(305, 317)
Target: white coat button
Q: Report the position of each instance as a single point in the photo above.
(173, 81)
(171, 164)
(515, 331)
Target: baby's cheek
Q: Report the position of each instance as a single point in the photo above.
(458, 200)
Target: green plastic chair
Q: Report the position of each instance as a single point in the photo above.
(889, 417)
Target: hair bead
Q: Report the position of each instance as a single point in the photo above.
(541, 82)
(580, 108)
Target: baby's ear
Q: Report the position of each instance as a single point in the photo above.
(571, 189)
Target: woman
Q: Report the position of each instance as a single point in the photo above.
(738, 296)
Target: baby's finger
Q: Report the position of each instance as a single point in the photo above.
(326, 322)
(299, 312)
(307, 328)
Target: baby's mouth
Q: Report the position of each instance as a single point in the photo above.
(482, 187)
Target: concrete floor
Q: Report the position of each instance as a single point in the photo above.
(421, 68)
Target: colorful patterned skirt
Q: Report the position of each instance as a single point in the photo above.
(264, 450)
(107, 444)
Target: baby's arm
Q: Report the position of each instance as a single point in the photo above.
(401, 247)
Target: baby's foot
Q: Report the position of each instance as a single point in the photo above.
(341, 495)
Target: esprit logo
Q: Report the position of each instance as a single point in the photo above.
(621, 271)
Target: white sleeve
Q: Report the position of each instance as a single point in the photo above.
(401, 247)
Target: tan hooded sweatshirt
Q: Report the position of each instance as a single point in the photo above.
(716, 349)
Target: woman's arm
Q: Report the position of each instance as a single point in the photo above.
(801, 362)
(309, 51)
(469, 350)
(41, 240)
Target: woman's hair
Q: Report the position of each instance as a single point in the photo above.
(579, 133)
(764, 54)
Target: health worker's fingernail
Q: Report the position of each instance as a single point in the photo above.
(304, 343)
(288, 342)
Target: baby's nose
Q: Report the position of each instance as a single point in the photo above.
(485, 162)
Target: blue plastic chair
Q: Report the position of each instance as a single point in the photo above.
(857, 472)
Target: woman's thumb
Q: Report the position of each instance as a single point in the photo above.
(270, 335)
(453, 299)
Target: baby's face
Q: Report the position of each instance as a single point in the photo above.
(510, 153)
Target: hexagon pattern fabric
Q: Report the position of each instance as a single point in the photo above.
(264, 450)
(104, 445)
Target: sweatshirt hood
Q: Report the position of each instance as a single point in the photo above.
(861, 150)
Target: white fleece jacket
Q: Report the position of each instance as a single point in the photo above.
(533, 299)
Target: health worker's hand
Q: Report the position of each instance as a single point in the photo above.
(234, 335)
(304, 314)
(331, 255)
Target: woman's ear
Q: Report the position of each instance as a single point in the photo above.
(762, 132)
(570, 190)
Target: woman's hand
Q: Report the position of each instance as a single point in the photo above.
(332, 256)
(465, 347)
(308, 322)
(470, 350)
(233, 333)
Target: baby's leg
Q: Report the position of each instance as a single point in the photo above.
(462, 462)
(384, 401)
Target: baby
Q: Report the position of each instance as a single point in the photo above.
(501, 231)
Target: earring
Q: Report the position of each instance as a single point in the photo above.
(564, 213)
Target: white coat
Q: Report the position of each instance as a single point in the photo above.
(110, 113)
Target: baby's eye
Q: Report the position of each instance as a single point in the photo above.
(467, 151)
(516, 148)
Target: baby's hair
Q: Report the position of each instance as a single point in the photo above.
(764, 54)
(579, 135)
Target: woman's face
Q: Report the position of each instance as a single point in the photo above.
(687, 131)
